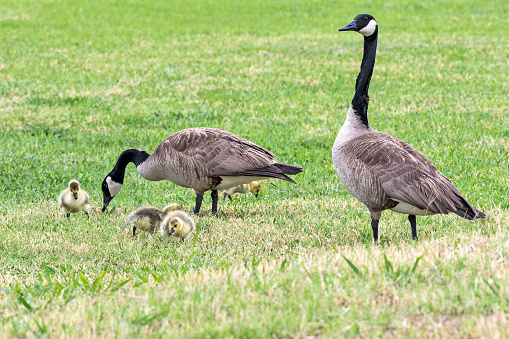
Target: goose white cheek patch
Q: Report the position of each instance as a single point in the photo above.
(113, 186)
(369, 29)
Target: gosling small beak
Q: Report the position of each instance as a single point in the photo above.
(352, 26)
(171, 231)
(75, 195)
(256, 195)
(106, 202)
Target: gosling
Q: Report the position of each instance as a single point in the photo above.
(177, 224)
(253, 187)
(73, 199)
(149, 218)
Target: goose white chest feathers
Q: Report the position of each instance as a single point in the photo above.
(202, 159)
(383, 172)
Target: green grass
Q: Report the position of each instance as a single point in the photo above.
(79, 83)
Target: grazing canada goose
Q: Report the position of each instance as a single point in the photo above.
(200, 158)
(253, 187)
(177, 224)
(149, 218)
(383, 172)
(73, 199)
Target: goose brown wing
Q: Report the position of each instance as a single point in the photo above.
(220, 152)
(407, 175)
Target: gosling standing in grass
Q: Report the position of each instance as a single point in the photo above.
(73, 199)
(149, 218)
(253, 187)
(177, 224)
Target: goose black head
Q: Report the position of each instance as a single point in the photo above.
(110, 189)
(365, 24)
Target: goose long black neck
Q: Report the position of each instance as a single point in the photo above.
(130, 155)
(360, 99)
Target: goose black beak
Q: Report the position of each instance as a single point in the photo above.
(75, 195)
(106, 202)
(352, 26)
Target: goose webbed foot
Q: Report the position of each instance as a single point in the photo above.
(374, 227)
(413, 224)
(215, 198)
(197, 206)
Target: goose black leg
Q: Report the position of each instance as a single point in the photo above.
(197, 206)
(134, 231)
(68, 215)
(215, 198)
(86, 213)
(413, 223)
(374, 226)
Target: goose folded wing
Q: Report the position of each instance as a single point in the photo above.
(407, 175)
(222, 153)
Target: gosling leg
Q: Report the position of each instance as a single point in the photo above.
(68, 215)
(134, 231)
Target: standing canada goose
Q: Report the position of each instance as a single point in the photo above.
(383, 172)
(200, 158)
(177, 224)
(253, 187)
(73, 199)
(149, 218)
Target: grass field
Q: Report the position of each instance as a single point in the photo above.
(80, 83)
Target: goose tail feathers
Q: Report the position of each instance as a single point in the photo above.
(277, 170)
(470, 213)
(288, 169)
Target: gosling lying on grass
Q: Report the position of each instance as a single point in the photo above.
(253, 187)
(73, 199)
(177, 224)
(149, 218)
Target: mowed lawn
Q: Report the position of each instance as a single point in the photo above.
(80, 82)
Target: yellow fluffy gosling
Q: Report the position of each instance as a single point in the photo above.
(171, 207)
(177, 224)
(149, 218)
(253, 187)
(73, 199)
